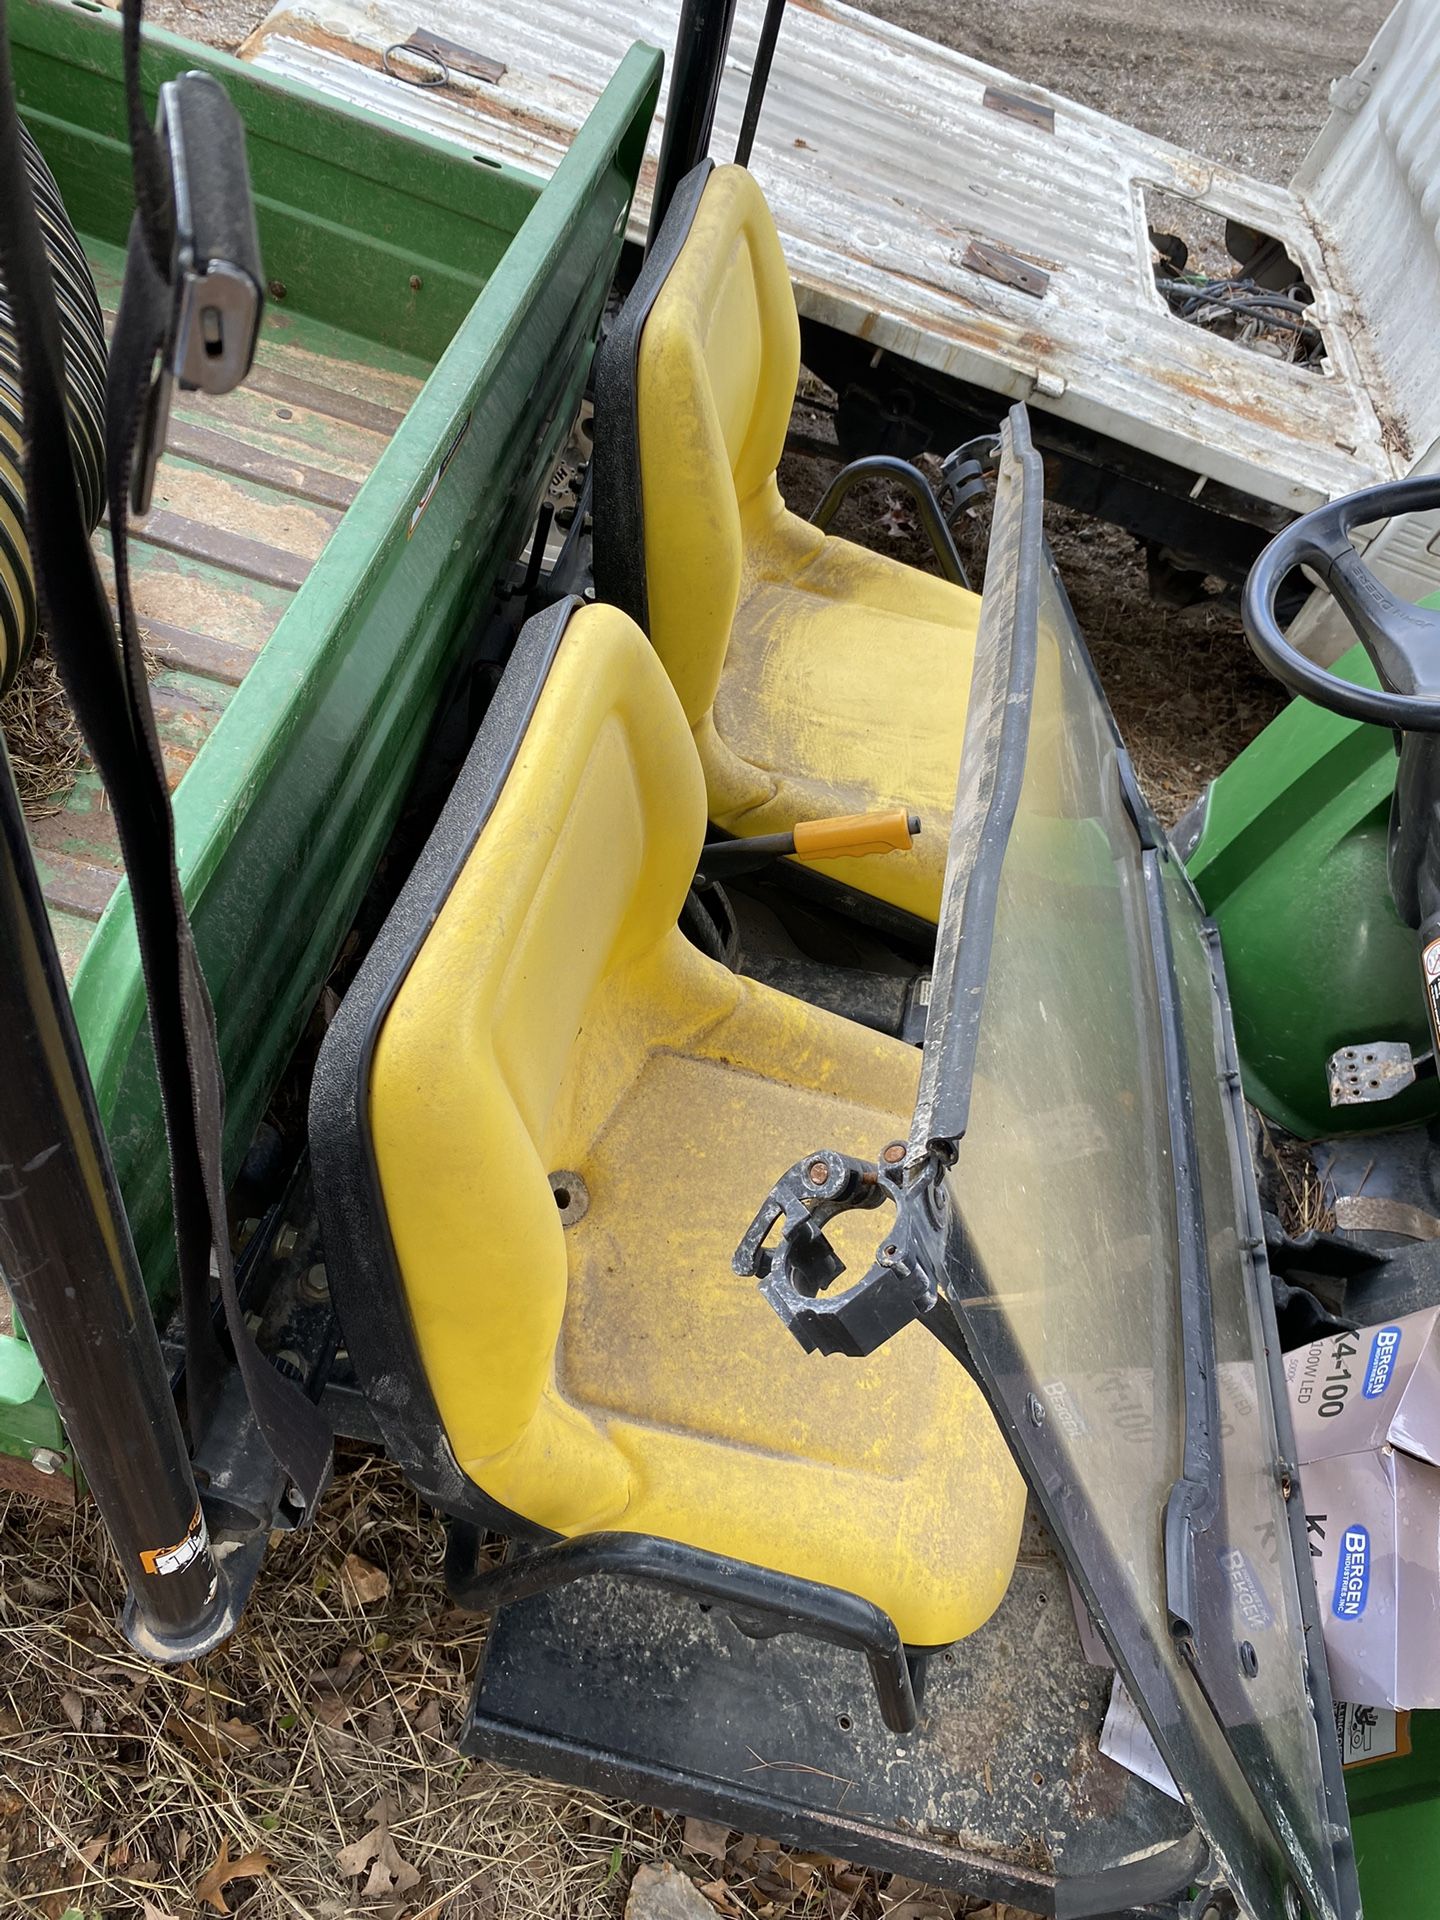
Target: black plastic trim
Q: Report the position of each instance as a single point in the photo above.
(619, 511)
(997, 734)
(771, 1602)
(1194, 1498)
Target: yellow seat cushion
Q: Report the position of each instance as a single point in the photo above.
(818, 677)
(615, 1373)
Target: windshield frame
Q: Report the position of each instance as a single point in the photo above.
(1253, 1841)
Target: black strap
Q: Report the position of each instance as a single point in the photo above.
(106, 683)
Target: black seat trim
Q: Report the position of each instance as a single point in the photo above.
(618, 506)
(363, 1270)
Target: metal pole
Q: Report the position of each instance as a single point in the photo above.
(759, 79)
(700, 47)
(69, 1262)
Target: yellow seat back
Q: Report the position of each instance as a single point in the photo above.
(579, 870)
(714, 386)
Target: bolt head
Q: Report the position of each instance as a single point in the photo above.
(47, 1460)
(894, 1153)
(817, 1173)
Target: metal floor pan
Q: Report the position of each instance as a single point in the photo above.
(1001, 1791)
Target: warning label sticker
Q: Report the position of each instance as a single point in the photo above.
(161, 1560)
(1367, 1734)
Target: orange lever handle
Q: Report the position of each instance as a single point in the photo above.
(856, 833)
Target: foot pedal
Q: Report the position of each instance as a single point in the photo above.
(1374, 1070)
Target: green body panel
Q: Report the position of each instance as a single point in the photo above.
(1395, 1814)
(1291, 864)
(282, 818)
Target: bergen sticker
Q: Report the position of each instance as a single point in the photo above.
(1381, 1364)
(1352, 1575)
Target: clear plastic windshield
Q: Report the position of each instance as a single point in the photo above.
(1105, 1268)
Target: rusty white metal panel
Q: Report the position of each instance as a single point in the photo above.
(1371, 188)
(886, 168)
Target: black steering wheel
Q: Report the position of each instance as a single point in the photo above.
(1402, 640)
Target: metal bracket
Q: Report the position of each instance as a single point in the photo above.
(963, 474)
(897, 1288)
(1374, 1070)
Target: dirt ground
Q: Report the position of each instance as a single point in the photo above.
(316, 1751)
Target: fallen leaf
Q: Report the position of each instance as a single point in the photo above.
(720, 1897)
(9, 1724)
(214, 1743)
(250, 1866)
(73, 1708)
(706, 1839)
(338, 1676)
(380, 1725)
(428, 1718)
(241, 1734)
(93, 1849)
(362, 1583)
(389, 1873)
(149, 1911)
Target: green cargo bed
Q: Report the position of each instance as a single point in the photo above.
(323, 544)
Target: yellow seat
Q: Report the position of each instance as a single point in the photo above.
(818, 678)
(573, 1114)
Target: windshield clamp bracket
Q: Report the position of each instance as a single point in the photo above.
(794, 1274)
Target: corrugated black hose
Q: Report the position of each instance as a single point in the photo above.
(83, 332)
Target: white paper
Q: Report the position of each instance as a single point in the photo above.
(1125, 1739)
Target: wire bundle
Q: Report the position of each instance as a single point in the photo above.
(1251, 308)
(83, 334)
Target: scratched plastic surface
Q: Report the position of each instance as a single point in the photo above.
(1066, 1183)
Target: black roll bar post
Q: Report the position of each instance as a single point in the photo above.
(70, 1264)
(701, 43)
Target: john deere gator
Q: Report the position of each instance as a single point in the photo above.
(683, 1031)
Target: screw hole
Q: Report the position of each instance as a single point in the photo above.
(1038, 1778)
(562, 1198)
(845, 1723)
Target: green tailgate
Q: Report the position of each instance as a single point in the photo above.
(397, 251)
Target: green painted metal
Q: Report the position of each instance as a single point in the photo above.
(1395, 1814)
(282, 818)
(1291, 863)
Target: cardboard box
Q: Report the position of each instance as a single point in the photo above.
(1373, 1523)
(1378, 1387)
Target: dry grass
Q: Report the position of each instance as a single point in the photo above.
(41, 737)
(121, 1784)
(1305, 1199)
